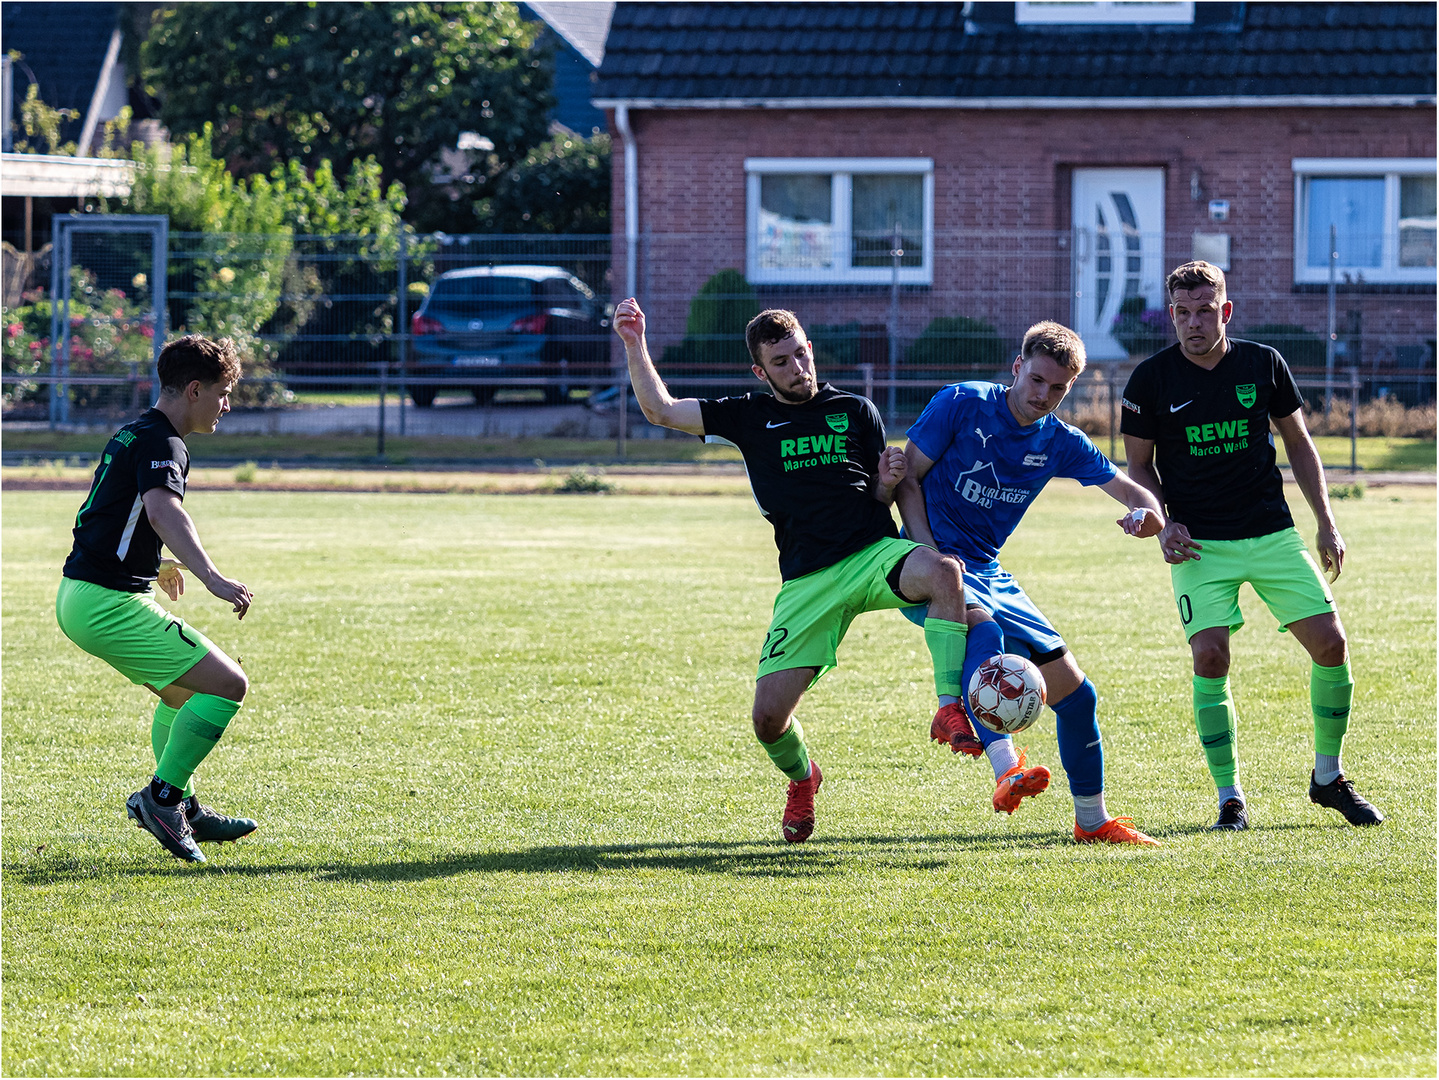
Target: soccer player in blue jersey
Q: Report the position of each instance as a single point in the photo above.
(978, 456)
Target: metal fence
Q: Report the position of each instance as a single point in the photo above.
(329, 313)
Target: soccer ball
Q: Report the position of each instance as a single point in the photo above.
(1006, 693)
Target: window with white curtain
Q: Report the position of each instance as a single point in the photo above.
(1382, 215)
(857, 220)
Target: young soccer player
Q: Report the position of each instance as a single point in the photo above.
(1196, 430)
(106, 603)
(979, 455)
(824, 478)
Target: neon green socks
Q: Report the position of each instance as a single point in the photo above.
(788, 752)
(1216, 722)
(160, 735)
(195, 730)
(946, 642)
(1331, 693)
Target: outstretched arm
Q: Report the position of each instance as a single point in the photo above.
(1309, 475)
(658, 405)
(1175, 543)
(177, 532)
(909, 496)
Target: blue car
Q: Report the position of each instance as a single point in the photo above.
(498, 323)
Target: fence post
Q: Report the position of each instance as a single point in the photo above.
(1354, 419)
(384, 392)
(1331, 345)
(402, 327)
(1110, 372)
(867, 371)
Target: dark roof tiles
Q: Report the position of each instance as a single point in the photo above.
(783, 50)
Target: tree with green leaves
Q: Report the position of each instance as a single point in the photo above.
(307, 82)
(561, 186)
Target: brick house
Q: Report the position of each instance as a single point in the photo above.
(1033, 160)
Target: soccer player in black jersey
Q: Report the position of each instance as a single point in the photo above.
(824, 478)
(106, 603)
(1196, 422)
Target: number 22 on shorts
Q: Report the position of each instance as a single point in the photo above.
(771, 650)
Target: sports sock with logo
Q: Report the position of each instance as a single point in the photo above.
(1331, 693)
(160, 735)
(789, 753)
(1076, 725)
(196, 729)
(985, 642)
(1217, 723)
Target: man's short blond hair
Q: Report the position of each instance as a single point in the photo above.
(1196, 275)
(1056, 341)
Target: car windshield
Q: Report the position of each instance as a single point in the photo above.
(487, 291)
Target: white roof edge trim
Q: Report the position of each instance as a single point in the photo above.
(1255, 101)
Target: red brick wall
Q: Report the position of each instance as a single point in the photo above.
(1007, 174)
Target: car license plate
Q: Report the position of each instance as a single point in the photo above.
(477, 361)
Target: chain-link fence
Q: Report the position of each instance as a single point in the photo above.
(462, 319)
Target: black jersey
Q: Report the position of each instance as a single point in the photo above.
(812, 468)
(1210, 429)
(114, 543)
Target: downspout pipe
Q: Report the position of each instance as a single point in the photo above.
(632, 199)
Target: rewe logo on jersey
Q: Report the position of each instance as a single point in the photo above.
(980, 486)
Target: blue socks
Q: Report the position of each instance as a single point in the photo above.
(986, 641)
(1080, 751)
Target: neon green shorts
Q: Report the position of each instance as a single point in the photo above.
(129, 631)
(813, 613)
(1278, 566)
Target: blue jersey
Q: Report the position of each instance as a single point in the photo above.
(988, 468)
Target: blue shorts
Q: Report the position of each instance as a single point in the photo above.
(1026, 630)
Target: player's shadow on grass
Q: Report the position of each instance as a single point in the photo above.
(738, 858)
(754, 858)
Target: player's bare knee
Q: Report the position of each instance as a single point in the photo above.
(1211, 661)
(1331, 652)
(232, 683)
(768, 725)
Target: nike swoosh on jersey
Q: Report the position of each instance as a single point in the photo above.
(782, 423)
(1176, 408)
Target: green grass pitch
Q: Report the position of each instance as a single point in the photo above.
(514, 820)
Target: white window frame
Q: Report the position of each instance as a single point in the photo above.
(1103, 12)
(1390, 170)
(842, 170)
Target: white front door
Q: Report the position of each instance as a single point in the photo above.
(1118, 250)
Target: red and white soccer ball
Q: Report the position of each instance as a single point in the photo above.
(1006, 693)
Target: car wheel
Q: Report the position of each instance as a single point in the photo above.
(423, 396)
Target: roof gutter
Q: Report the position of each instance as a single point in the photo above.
(1237, 101)
(632, 198)
(102, 91)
